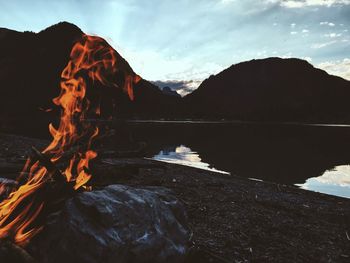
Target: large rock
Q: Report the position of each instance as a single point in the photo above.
(116, 224)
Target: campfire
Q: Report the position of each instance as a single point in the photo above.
(51, 176)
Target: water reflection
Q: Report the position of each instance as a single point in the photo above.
(184, 156)
(285, 154)
(334, 182)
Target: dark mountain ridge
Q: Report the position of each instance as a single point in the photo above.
(30, 69)
(272, 89)
(264, 90)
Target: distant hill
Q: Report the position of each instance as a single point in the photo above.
(169, 91)
(272, 89)
(30, 69)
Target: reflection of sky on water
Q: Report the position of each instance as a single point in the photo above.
(334, 182)
(184, 156)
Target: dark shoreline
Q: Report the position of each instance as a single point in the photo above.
(233, 219)
(238, 122)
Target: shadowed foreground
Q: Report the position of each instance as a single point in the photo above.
(232, 219)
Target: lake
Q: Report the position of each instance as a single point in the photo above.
(313, 157)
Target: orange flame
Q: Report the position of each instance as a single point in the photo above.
(92, 58)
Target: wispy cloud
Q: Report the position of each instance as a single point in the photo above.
(308, 59)
(325, 23)
(339, 67)
(333, 35)
(307, 3)
(324, 44)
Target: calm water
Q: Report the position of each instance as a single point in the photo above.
(184, 156)
(313, 157)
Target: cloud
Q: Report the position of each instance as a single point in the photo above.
(325, 23)
(338, 67)
(299, 3)
(287, 55)
(309, 3)
(324, 44)
(227, 1)
(183, 87)
(333, 35)
(308, 59)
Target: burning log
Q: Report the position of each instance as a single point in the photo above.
(60, 188)
(117, 222)
(49, 165)
(43, 186)
(69, 153)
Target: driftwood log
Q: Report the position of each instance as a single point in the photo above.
(50, 166)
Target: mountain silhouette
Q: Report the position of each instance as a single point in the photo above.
(272, 89)
(264, 90)
(30, 69)
(168, 91)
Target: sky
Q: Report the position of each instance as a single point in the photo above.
(180, 43)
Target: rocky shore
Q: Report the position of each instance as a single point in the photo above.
(232, 219)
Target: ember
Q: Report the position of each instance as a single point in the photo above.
(21, 214)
